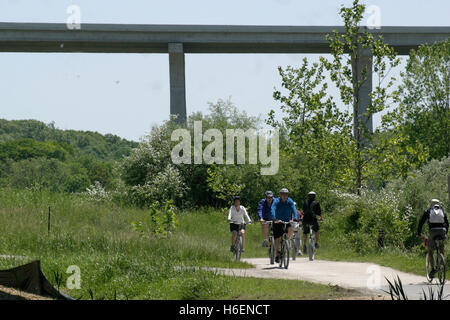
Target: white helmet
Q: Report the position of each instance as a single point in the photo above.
(284, 190)
(435, 202)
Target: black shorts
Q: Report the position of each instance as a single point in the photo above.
(315, 226)
(235, 227)
(439, 233)
(278, 229)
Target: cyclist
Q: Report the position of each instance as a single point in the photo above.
(311, 210)
(282, 208)
(237, 216)
(437, 226)
(265, 214)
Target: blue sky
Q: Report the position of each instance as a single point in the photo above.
(127, 94)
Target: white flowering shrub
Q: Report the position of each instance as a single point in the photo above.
(96, 192)
(166, 185)
(148, 172)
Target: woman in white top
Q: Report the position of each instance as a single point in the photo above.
(237, 217)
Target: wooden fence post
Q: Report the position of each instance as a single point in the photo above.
(48, 226)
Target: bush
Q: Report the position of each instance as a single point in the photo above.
(395, 209)
(76, 183)
(97, 193)
(148, 172)
(38, 173)
(21, 149)
(415, 192)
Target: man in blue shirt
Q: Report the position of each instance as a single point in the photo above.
(283, 208)
(265, 214)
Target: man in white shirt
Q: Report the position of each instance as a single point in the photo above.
(237, 218)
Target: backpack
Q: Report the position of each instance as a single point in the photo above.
(311, 212)
(436, 215)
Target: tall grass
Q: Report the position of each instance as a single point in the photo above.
(98, 238)
(117, 262)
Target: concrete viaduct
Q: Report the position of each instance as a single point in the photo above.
(176, 40)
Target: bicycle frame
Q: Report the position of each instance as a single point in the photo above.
(438, 261)
(285, 245)
(311, 243)
(271, 242)
(238, 243)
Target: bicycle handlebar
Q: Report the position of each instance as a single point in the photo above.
(283, 222)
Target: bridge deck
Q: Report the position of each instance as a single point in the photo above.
(129, 38)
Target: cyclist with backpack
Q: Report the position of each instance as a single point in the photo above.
(438, 227)
(311, 210)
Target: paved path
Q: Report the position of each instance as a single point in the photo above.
(367, 278)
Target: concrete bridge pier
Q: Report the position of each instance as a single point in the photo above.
(364, 75)
(177, 81)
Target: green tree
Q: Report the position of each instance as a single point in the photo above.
(151, 175)
(38, 173)
(424, 97)
(317, 129)
(26, 148)
(347, 49)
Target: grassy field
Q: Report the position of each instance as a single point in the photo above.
(117, 262)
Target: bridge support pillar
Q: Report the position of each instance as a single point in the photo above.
(177, 81)
(363, 65)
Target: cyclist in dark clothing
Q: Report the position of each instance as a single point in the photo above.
(436, 219)
(437, 226)
(311, 210)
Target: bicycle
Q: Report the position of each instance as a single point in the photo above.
(438, 258)
(285, 246)
(271, 242)
(311, 243)
(296, 241)
(237, 251)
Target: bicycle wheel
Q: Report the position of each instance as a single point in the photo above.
(281, 253)
(294, 248)
(441, 268)
(428, 267)
(287, 248)
(299, 245)
(237, 249)
(271, 251)
(311, 249)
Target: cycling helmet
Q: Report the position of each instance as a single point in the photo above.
(237, 198)
(284, 190)
(312, 193)
(435, 202)
(268, 193)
